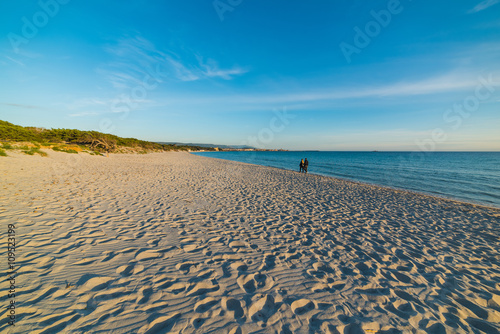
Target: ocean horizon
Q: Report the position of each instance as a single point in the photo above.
(472, 177)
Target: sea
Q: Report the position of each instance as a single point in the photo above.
(472, 177)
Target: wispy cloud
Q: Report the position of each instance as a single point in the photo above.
(203, 70)
(18, 62)
(211, 69)
(25, 106)
(119, 79)
(441, 84)
(80, 107)
(214, 72)
(132, 59)
(86, 102)
(135, 58)
(483, 5)
(83, 114)
(321, 97)
(181, 71)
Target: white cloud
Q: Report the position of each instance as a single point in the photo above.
(324, 98)
(18, 62)
(133, 59)
(224, 74)
(86, 102)
(211, 69)
(484, 5)
(182, 72)
(136, 57)
(17, 105)
(83, 114)
(119, 79)
(441, 84)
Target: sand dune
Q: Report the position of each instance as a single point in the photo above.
(173, 242)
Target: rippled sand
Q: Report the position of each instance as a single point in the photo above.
(173, 242)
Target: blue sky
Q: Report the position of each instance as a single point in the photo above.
(327, 75)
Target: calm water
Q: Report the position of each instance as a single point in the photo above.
(468, 176)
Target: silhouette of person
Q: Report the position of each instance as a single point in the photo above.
(306, 164)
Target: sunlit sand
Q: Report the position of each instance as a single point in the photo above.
(171, 242)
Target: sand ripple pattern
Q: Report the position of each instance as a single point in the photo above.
(172, 242)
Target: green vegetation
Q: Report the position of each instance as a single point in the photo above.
(92, 141)
(67, 150)
(2, 153)
(7, 146)
(34, 150)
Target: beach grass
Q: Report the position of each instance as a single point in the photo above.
(35, 150)
(64, 149)
(7, 146)
(2, 153)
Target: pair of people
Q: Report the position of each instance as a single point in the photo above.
(303, 165)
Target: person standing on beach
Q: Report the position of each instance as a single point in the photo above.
(306, 164)
(301, 166)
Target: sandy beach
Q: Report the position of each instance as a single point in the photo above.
(172, 242)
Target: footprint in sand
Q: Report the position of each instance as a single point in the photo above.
(163, 281)
(203, 287)
(139, 235)
(250, 283)
(233, 307)
(379, 295)
(143, 295)
(292, 255)
(108, 255)
(262, 309)
(205, 274)
(285, 329)
(176, 288)
(237, 244)
(197, 322)
(125, 270)
(138, 268)
(193, 248)
(110, 294)
(97, 283)
(402, 278)
(204, 305)
(316, 274)
(302, 306)
(269, 262)
(153, 242)
(185, 266)
(319, 287)
(364, 268)
(154, 307)
(239, 266)
(402, 309)
(236, 330)
(160, 324)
